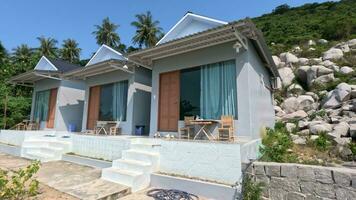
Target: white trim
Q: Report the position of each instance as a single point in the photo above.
(208, 19)
(107, 47)
(46, 76)
(143, 87)
(44, 57)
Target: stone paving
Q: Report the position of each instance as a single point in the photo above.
(79, 181)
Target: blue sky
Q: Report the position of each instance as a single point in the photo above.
(21, 21)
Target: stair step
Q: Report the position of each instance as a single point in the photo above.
(145, 147)
(43, 157)
(133, 165)
(135, 180)
(140, 156)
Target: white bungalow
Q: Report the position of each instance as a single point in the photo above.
(208, 68)
(57, 104)
(116, 90)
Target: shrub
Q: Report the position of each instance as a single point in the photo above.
(322, 143)
(352, 146)
(320, 113)
(275, 145)
(20, 184)
(251, 190)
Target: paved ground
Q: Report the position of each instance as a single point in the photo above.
(80, 182)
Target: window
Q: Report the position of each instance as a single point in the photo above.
(41, 106)
(113, 101)
(209, 91)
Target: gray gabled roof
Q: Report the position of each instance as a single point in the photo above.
(63, 66)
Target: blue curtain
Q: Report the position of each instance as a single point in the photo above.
(41, 106)
(120, 100)
(218, 90)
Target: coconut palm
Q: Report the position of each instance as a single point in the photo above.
(70, 50)
(148, 32)
(47, 46)
(106, 34)
(22, 54)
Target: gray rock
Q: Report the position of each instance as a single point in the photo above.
(344, 151)
(305, 102)
(312, 94)
(302, 73)
(342, 129)
(327, 63)
(323, 175)
(304, 132)
(333, 54)
(353, 130)
(288, 58)
(290, 127)
(273, 170)
(290, 185)
(353, 94)
(335, 68)
(306, 173)
(351, 43)
(276, 60)
(303, 61)
(343, 92)
(286, 75)
(315, 61)
(317, 127)
(323, 79)
(300, 114)
(346, 70)
(344, 48)
(343, 193)
(303, 124)
(314, 137)
(295, 196)
(290, 105)
(321, 70)
(259, 169)
(324, 190)
(342, 178)
(289, 171)
(322, 41)
(295, 89)
(300, 140)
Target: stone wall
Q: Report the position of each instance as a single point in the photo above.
(285, 181)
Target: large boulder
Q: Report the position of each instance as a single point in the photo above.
(290, 105)
(303, 61)
(343, 92)
(327, 63)
(300, 114)
(293, 104)
(323, 79)
(322, 41)
(286, 75)
(346, 70)
(302, 73)
(317, 127)
(333, 54)
(295, 89)
(288, 58)
(352, 43)
(341, 129)
(276, 60)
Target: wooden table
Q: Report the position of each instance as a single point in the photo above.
(204, 124)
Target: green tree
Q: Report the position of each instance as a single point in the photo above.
(3, 53)
(281, 9)
(148, 32)
(106, 33)
(22, 54)
(47, 46)
(70, 50)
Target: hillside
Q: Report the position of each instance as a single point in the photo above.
(286, 26)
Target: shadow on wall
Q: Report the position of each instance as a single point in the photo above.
(72, 114)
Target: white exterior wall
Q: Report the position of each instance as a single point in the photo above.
(69, 103)
(211, 161)
(138, 82)
(255, 107)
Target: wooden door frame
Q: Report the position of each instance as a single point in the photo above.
(159, 99)
(49, 106)
(89, 103)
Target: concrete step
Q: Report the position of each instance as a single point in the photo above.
(135, 180)
(152, 158)
(35, 155)
(145, 147)
(42, 143)
(133, 165)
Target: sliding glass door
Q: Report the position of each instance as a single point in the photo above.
(209, 91)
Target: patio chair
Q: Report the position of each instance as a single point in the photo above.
(100, 127)
(32, 126)
(112, 128)
(226, 130)
(184, 132)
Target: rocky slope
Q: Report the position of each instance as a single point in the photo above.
(317, 93)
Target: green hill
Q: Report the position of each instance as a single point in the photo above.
(290, 26)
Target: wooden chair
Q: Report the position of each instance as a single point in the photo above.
(100, 127)
(184, 132)
(112, 128)
(226, 130)
(33, 126)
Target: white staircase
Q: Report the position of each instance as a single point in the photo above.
(45, 148)
(135, 166)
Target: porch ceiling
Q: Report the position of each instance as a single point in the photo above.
(30, 77)
(211, 37)
(101, 68)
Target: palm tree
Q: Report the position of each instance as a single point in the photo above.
(22, 54)
(148, 32)
(106, 34)
(47, 46)
(70, 50)
(3, 53)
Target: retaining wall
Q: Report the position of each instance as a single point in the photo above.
(285, 181)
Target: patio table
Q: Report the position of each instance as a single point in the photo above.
(204, 125)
